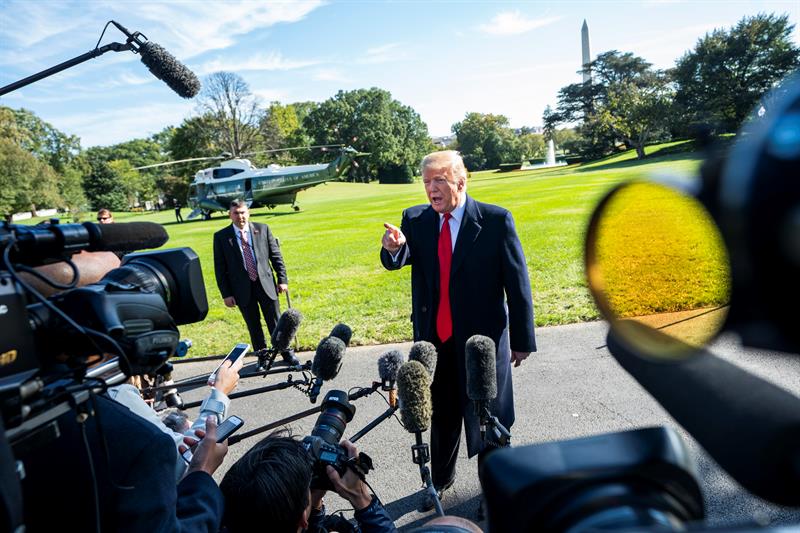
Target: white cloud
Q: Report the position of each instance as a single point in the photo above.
(330, 74)
(513, 23)
(269, 61)
(384, 54)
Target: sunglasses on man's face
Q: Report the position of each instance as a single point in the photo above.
(100, 219)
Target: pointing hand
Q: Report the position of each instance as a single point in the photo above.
(393, 239)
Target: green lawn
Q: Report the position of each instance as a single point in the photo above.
(331, 247)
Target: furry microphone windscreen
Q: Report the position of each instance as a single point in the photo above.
(425, 353)
(481, 368)
(165, 67)
(414, 390)
(343, 332)
(328, 358)
(286, 329)
(388, 366)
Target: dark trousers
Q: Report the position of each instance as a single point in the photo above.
(447, 415)
(269, 307)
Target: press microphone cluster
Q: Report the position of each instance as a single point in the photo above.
(328, 359)
(482, 387)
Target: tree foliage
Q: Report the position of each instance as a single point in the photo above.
(486, 141)
(723, 77)
(232, 111)
(371, 120)
(627, 102)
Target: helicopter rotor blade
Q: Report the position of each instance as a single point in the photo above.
(178, 161)
(322, 146)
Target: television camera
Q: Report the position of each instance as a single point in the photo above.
(733, 238)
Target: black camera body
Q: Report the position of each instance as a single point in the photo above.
(323, 443)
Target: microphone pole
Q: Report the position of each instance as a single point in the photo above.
(289, 383)
(372, 425)
(421, 455)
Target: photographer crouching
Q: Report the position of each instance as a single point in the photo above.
(271, 484)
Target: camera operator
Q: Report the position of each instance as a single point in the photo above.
(215, 405)
(271, 485)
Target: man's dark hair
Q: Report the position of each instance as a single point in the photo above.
(237, 203)
(269, 485)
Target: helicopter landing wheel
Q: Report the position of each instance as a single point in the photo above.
(296, 207)
(206, 215)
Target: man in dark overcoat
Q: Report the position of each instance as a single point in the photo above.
(468, 277)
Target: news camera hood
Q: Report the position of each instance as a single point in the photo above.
(758, 209)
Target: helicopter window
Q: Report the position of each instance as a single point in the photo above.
(220, 173)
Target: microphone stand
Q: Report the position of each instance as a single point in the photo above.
(308, 412)
(198, 381)
(372, 425)
(289, 383)
(421, 455)
(498, 436)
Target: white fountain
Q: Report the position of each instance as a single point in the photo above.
(550, 161)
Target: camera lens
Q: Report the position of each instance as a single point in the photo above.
(337, 411)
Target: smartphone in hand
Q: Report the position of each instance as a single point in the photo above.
(228, 427)
(235, 354)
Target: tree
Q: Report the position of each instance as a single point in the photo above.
(722, 79)
(371, 120)
(550, 119)
(26, 182)
(101, 184)
(486, 141)
(136, 186)
(626, 102)
(232, 111)
(532, 145)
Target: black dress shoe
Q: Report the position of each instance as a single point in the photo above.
(290, 358)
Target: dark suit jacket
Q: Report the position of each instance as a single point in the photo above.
(488, 270)
(134, 482)
(229, 269)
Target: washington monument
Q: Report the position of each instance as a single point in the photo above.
(587, 56)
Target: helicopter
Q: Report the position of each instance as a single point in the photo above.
(213, 189)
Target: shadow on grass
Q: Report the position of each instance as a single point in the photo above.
(221, 217)
(682, 150)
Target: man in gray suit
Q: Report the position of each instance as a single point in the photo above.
(468, 277)
(247, 259)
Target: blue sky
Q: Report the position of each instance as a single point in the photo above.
(444, 59)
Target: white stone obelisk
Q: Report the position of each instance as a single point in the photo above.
(587, 56)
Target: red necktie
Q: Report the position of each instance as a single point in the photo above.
(444, 319)
(249, 262)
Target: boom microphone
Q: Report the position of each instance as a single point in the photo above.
(343, 332)
(748, 425)
(285, 329)
(165, 67)
(425, 353)
(326, 364)
(126, 236)
(388, 366)
(414, 389)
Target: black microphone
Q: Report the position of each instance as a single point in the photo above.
(38, 244)
(425, 353)
(162, 64)
(748, 425)
(388, 366)
(343, 332)
(414, 389)
(285, 330)
(125, 236)
(326, 364)
(481, 376)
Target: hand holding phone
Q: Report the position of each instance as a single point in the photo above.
(224, 430)
(235, 355)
